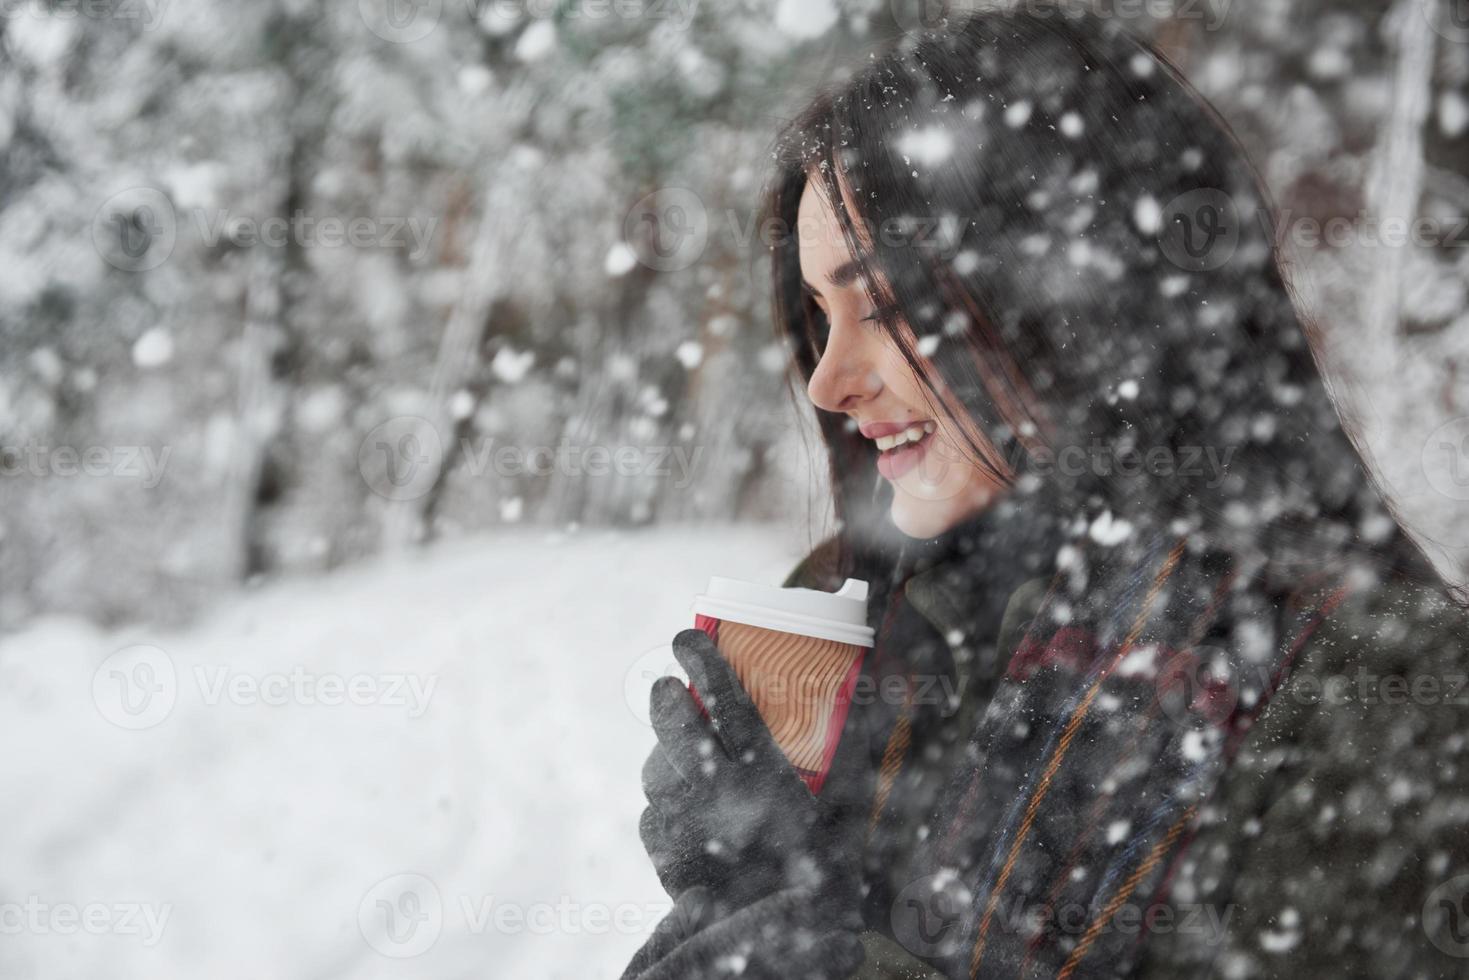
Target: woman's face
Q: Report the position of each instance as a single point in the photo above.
(863, 375)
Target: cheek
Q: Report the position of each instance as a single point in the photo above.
(898, 377)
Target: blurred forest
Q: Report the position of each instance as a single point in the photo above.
(514, 170)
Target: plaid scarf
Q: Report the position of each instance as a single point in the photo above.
(1034, 795)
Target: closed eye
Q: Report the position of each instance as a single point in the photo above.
(884, 315)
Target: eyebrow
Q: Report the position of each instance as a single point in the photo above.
(841, 277)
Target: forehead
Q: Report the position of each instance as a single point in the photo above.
(819, 232)
(813, 197)
(815, 217)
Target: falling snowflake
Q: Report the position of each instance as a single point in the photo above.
(538, 41)
(1147, 214)
(620, 260)
(1017, 114)
(930, 145)
(461, 405)
(1108, 530)
(689, 353)
(153, 349)
(511, 367)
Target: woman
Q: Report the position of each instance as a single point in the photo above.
(1121, 541)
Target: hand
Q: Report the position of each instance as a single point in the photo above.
(692, 911)
(727, 810)
(779, 937)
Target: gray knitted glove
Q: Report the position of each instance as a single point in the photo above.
(728, 812)
(780, 937)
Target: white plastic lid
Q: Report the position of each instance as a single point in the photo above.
(839, 615)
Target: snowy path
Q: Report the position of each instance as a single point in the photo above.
(226, 836)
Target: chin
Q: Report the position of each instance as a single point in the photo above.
(927, 515)
(918, 518)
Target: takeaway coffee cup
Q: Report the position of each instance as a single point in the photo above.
(798, 652)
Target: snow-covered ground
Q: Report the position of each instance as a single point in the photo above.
(422, 767)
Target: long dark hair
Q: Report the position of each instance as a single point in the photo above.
(1066, 226)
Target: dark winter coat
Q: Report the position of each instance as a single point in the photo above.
(1076, 809)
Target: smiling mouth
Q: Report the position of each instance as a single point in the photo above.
(900, 452)
(914, 433)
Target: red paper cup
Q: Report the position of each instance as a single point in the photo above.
(798, 652)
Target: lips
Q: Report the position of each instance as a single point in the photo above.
(912, 433)
(900, 445)
(874, 430)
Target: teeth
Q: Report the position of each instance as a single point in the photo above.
(911, 434)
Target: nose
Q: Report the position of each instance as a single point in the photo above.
(847, 375)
